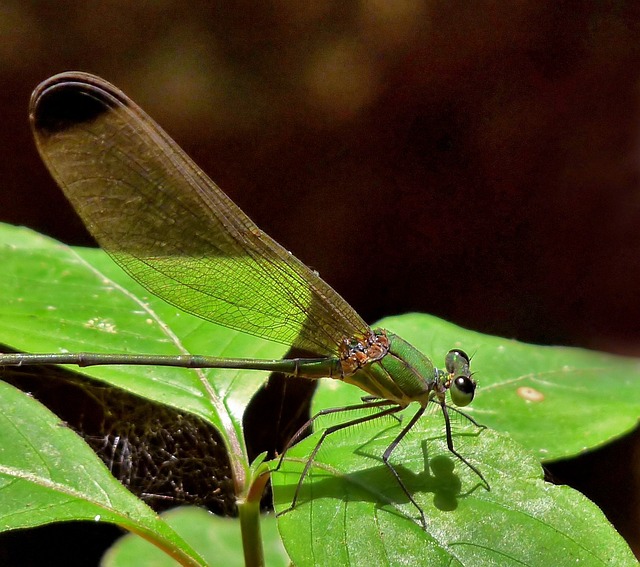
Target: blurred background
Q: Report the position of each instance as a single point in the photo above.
(477, 161)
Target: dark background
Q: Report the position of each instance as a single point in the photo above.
(477, 161)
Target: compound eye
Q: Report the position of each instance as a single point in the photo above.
(462, 390)
(455, 359)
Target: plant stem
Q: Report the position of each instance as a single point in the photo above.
(249, 512)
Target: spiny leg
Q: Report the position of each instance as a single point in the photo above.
(294, 439)
(387, 454)
(467, 416)
(367, 399)
(333, 429)
(447, 424)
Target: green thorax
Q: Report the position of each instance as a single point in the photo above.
(402, 375)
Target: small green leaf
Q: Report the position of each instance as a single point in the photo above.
(216, 539)
(48, 474)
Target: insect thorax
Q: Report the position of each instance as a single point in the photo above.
(357, 352)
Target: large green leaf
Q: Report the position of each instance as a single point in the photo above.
(351, 511)
(557, 401)
(62, 299)
(551, 399)
(48, 474)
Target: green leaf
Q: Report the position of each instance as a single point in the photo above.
(351, 511)
(48, 474)
(217, 540)
(62, 299)
(557, 401)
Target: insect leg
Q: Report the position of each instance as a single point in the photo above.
(333, 429)
(467, 416)
(447, 423)
(387, 454)
(298, 434)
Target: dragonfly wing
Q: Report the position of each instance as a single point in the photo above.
(170, 227)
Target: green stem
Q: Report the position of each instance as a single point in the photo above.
(251, 535)
(249, 511)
